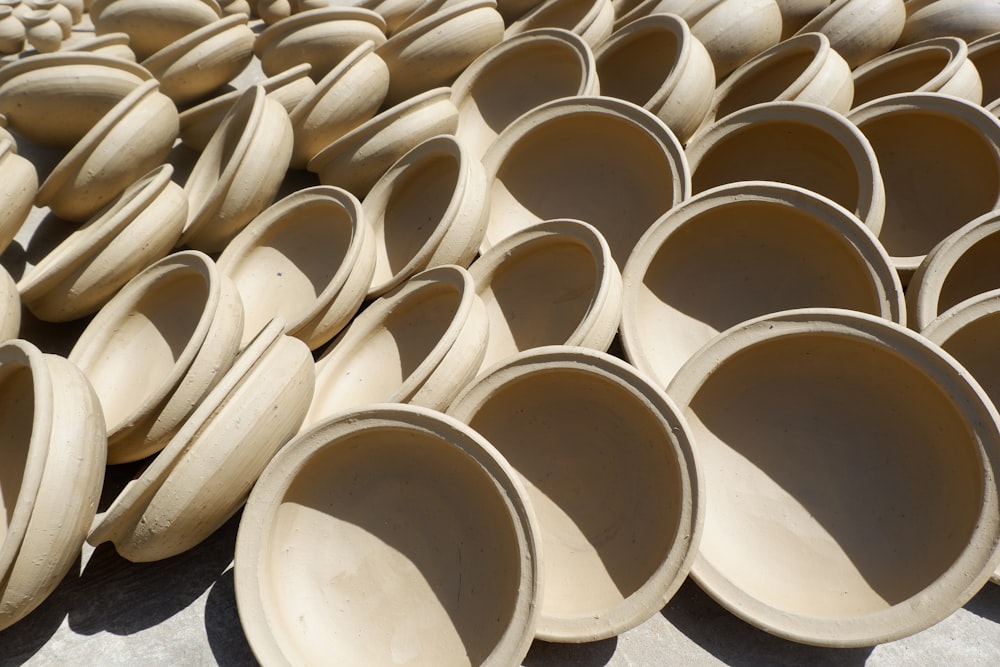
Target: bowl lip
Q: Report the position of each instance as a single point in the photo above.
(312, 99)
(255, 529)
(983, 45)
(101, 41)
(44, 61)
(667, 578)
(819, 209)
(517, 26)
(409, 32)
(830, 13)
(159, 62)
(279, 30)
(193, 115)
(236, 251)
(976, 563)
(957, 50)
(965, 313)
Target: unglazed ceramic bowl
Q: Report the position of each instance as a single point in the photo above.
(592, 20)
(308, 258)
(391, 533)
(733, 31)
(110, 44)
(860, 30)
(393, 11)
(985, 56)
(796, 13)
(604, 161)
(739, 251)
(611, 474)
(152, 24)
(10, 307)
(157, 347)
(965, 19)
(850, 476)
(206, 471)
(18, 188)
(54, 459)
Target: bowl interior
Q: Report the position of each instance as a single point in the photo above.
(17, 410)
(974, 272)
(767, 80)
(906, 73)
(636, 67)
(974, 346)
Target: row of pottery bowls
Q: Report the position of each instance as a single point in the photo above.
(382, 272)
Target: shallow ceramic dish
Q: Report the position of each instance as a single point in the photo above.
(592, 20)
(611, 474)
(83, 272)
(54, 459)
(419, 344)
(517, 75)
(308, 258)
(985, 56)
(965, 19)
(739, 251)
(604, 161)
(850, 476)
(429, 209)
(157, 347)
(152, 24)
(18, 188)
(206, 471)
(860, 30)
(10, 307)
(431, 529)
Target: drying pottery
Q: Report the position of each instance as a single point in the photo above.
(433, 51)
(429, 209)
(130, 140)
(17, 189)
(42, 32)
(517, 75)
(10, 307)
(393, 11)
(11, 32)
(234, 7)
(308, 258)
(272, 11)
(18, 8)
(860, 30)
(206, 471)
(592, 20)
(796, 13)
(230, 183)
(850, 474)
(349, 95)
(797, 143)
(740, 251)
(611, 475)
(115, 44)
(83, 272)
(804, 68)
(76, 9)
(152, 24)
(358, 159)
(985, 56)
(734, 31)
(58, 13)
(419, 344)
(320, 37)
(54, 99)
(966, 19)
(54, 458)
(658, 64)
(938, 65)
(604, 161)
(203, 60)
(511, 10)
(935, 185)
(554, 283)
(157, 347)
(397, 534)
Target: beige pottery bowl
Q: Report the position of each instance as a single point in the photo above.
(18, 188)
(554, 283)
(611, 474)
(604, 161)
(394, 12)
(985, 56)
(152, 24)
(308, 258)
(10, 307)
(419, 344)
(157, 347)
(517, 75)
(860, 30)
(796, 13)
(82, 273)
(430, 528)
(54, 459)
(937, 184)
(114, 44)
(206, 471)
(965, 19)
(850, 475)
(429, 209)
(740, 251)
(733, 31)
(797, 143)
(592, 20)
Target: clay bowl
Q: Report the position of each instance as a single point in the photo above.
(308, 258)
(850, 475)
(54, 99)
(206, 471)
(796, 13)
(54, 458)
(114, 44)
(429, 209)
(965, 19)
(985, 56)
(349, 95)
(204, 60)
(734, 31)
(740, 251)
(17, 189)
(554, 283)
(429, 511)
(359, 158)
(938, 184)
(657, 63)
(797, 143)
(129, 141)
(517, 75)
(860, 30)
(320, 37)
(394, 12)
(419, 344)
(604, 161)
(592, 20)
(937, 65)
(569, 419)
(152, 24)
(230, 184)
(157, 347)
(433, 51)
(200, 122)
(10, 307)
